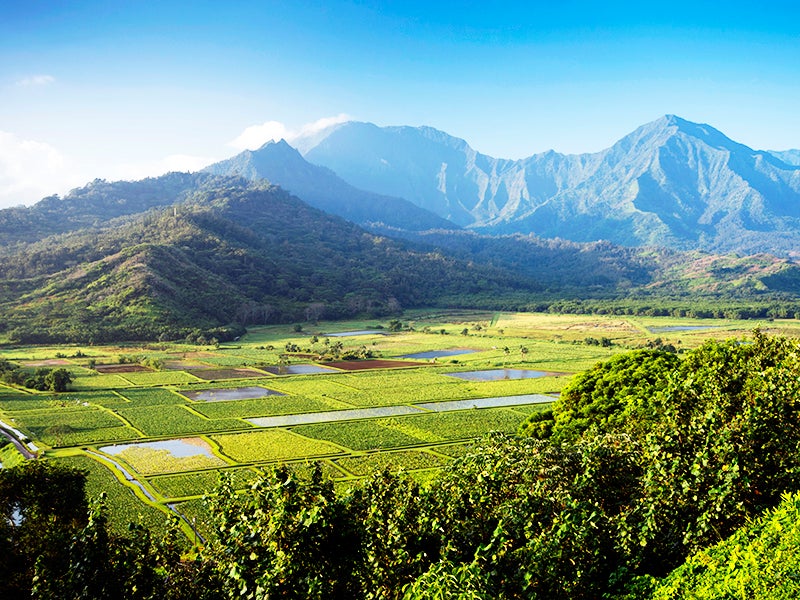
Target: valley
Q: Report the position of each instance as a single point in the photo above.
(154, 424)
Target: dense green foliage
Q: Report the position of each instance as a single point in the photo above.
(613, 396)
(619, 495)
(41, 379)
(759, 562)
(40, 506)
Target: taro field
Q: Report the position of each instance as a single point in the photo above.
(155, 425)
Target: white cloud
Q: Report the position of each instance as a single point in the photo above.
(36, 80)
(30, 170)
(256, 136)
(321, 124)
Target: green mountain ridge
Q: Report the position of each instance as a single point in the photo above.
(233, 254)
(212, 254)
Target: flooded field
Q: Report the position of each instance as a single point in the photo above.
(501, 374)
(180, 448)
(674, 328)
(221, 394)
(496, 402)
(365, 365)
(210, 374)
(355, 333)
(397, 411)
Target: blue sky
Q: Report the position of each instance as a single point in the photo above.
(127, 89)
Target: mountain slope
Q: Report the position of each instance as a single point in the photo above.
(790, 157)
(670, 182)
(282, 165)
(232, 254)
(96, 203)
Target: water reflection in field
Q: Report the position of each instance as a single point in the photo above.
(500, 374)
(240, 393)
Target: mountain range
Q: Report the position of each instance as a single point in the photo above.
(671, 183)
(320, 187)
(204, 254)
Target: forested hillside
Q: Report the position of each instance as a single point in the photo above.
(226, 257)
(94, 204)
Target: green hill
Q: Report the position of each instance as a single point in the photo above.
(235, 254)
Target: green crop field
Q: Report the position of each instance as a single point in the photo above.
(160, 378)
(152, 396)
(161, 420)
(199, 482)
(360, 435)
(407, 459)
(70, 426)
(271, 445)
(261, 407)
(150, 407)
(126, 506)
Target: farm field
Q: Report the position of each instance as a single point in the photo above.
(155, 424)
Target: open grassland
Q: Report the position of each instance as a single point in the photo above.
(153, 405)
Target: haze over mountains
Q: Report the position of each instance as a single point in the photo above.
(671, 182)
(283, 165)
(171, 255)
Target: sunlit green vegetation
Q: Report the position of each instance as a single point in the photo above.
(360, 435)
(126, 507)
(70, 426)
(271, 445)
(266, 406)
(152, 396)
(99, 408)
(199, 482)
(407, 459)
(162, 420)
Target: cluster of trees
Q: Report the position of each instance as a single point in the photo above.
(41, 378)
(698, 307)
(645, 461)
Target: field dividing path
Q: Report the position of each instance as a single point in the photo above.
(333, 416)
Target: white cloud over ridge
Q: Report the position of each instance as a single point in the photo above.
(36, 81)
(31, 170)
(255, 136)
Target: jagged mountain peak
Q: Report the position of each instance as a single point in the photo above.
(671, 181)
(283, 165)
(280, 144)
